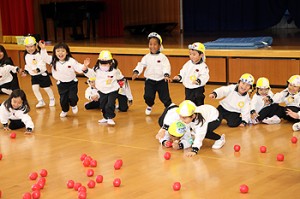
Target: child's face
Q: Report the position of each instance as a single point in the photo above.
(263, 91)
(30, 49)
(195, 56)
(1, 55)
(293, 89)
(154, 45)
(243, 87)
(92, 83)
(173, 138)
(187, 119)
(16, 102)
(61, 54)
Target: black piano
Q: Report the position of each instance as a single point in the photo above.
(72, 14)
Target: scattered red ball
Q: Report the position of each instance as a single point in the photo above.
(13, 135)
(33, 176)
(27, 195)
(82, 157)
(82, 189)
(237, 148)
(86, 162)
(91, 184)
(167, 155)
(77, 185)
(36, 194)
(35, 187)
(263, 149)
(280, 157)
(90, 172)
(1, 156)
(99, 179)
(244, 188)
(70, 184)
(82, 195)
(0, 194)
(117, 165)
(294, 140)
(119, 161)
(93, 163)
(43, 172)
(42, 179)
(168, 144)
(176, 186)
(117, 182)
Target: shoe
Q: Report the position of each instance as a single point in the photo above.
(272, 120)
(219, 143)
(296, 126)
(103, 120)
(52, 102)
(63, 114)
(148, 110)
(40, 104)
(74, 109)
(111, 122)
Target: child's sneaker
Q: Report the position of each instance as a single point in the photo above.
(63, 114)
(52, 102)
(74, 109)
(272, 120)
(219, 143)
(103, 120)
(296, 126)
(40, 104)
(111, 122)
(148, 110)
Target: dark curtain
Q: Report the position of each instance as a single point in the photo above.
(17, 17)
(236, 15)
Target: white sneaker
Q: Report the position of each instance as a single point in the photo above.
(103, 120)
(52, 102)
(219, 143)
(40, 104)
(111, 122)
(74, 109)
(148, 110)
(63, 114)
(272, 120)
(296, 126)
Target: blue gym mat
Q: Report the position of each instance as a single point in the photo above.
(239, 43)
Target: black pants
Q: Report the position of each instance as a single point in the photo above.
(16, 124)
(281, 112)
(162, 87)
(210, 134)
(233, 119)
(92, 105)
(68, 94)
(107, 104)
(268, 111)
(196, 95)
(123, 103)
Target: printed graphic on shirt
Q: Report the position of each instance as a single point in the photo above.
(241, 104)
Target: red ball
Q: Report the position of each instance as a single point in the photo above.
(43, 172)
(244, 188)
(1, 156)
(43, 180)
(280, 157)
(82, 195)
(99, 179)
(82, 189)
(90, 172)
(117, 182)
(70, 184)
(41, 184)
(13, 135)
(93, 163)
(27, 195)
(89, 158)
(176, 186)
(77, 185)
(86, 162)
(83, 156)
(263, 149)
(294, 140)
(168, 144)
(36, 194)
(91, 184)
(33, 176)
(237, 148)
(119, 161)
(117, 165)
(167, 155)
(35, 187)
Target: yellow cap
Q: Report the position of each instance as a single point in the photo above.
(92, 79)
(186, 108)
(156, 35)
(29, 41)
(197, 46)
(247, 78)
(177, 129)
(105, 55)
(295, 80)
(262, 82)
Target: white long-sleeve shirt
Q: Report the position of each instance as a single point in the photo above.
(90, 92)
(234, 101)
(157, 65)
(5, 75)
(12, 114)
(257, 101)
(33, 62)
(287, 98)
(191, 72)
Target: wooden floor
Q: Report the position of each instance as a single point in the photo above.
(57, 145)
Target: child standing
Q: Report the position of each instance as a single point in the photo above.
(36, 68)
(108, 79)
(64, 69)
(202, 121)
(14, 112)
(157, 73)
(236, 101)
(194, 74)
(91, 94)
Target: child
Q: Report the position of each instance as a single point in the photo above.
(108, 80)
(262, 105)
(202, 121)
(5, 60)
(236, 101)
(14, 112)
(125, 98)
(194, 74)
(6, 78)
(157, 73)
(64, 69)
(91, 94)
(36, 68)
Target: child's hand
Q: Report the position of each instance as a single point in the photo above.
(254, 115)
(35, 71)
(191, 154)
(266, 101)
(134, 76)
(161, 134)
(292, 114)
(23, 74)
(28, 132)
(130, 102)
(176, 78)
(175, 144)
(6, 128)
(42, 44)
(95, 97)
(242, 125)
(86, 62)
(168, 79)
(212, 96)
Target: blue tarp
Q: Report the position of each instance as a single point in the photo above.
(239, 43)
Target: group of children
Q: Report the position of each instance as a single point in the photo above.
(182, 126)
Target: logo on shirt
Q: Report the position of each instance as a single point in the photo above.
(69, 66)
(241, 104)
(158, 61)
(34, 62)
